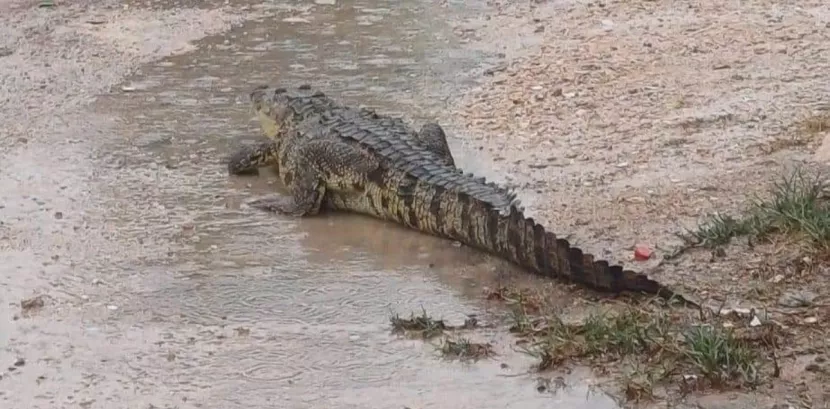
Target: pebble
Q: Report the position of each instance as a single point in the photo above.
(607, 25)
(795, 299)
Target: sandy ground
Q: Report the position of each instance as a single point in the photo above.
(631, 120)
(53, 62)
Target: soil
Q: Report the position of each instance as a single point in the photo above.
(629, 121)
(55, 61)
(666, 111)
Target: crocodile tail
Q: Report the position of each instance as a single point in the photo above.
(526, 243)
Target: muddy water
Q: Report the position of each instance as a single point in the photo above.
(227, 307)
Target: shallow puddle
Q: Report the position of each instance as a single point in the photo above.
(247, 309)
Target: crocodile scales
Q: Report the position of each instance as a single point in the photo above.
(336, 157)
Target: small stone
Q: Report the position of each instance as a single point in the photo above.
(796, 299)
(755, 322)
(607, 25)
(112, 307)
(20, 362)
(325, 2)
(810, 320)
(642, 252)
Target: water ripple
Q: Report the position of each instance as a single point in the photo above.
(243, 309)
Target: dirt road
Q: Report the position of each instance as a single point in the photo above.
(129, 274)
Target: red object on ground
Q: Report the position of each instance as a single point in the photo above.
(642, 252)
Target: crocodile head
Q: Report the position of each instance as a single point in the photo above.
(271, 107)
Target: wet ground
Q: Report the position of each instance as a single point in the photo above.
(160, 290)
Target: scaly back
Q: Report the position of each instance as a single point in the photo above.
(389, 138)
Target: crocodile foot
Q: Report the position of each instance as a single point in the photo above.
(284, 205)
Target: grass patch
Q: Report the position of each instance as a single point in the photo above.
(658, 346)
(643, 346)
(421, 326)
(815, 124)
(805, 131)
(425, 327)
(797, 208)
(464, 349)
(720, 356)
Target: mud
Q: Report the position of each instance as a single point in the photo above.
(158, 289)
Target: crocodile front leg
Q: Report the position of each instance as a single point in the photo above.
(248, 159)
(433, 136)
(311, 168)
(307, 189)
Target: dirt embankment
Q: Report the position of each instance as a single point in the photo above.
(631, 121)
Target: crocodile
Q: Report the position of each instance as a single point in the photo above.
(334, 157)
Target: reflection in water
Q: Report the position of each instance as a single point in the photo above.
(251, 309)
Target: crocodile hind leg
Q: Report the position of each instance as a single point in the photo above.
(434, 137)
(248, 159)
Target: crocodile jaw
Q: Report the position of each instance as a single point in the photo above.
(271, 107)
(270, 127)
